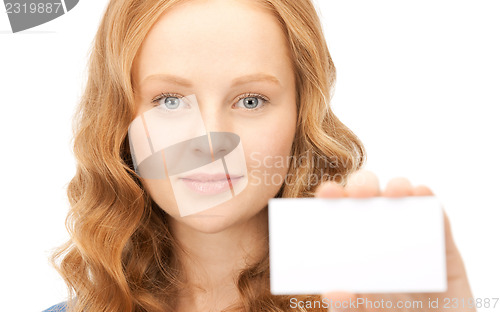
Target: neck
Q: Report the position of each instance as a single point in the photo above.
(213, 261)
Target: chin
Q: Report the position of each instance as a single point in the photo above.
(207, 224)
(213, 220)
(233, 212)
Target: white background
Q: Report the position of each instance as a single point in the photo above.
(418, 82)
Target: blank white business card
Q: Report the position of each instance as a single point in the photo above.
(369, 245)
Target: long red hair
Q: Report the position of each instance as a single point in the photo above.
(120, 253)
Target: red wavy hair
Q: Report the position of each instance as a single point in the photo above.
(119, 256)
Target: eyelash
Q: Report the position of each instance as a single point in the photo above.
(264, 99)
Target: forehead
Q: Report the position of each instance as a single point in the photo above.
(219, 39)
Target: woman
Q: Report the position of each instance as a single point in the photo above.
(258, 69)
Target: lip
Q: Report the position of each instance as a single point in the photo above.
(210, 184)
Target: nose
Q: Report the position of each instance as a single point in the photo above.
(218, 127)
(200, 150)
(223, 143)
(214, 116)
(213, 146)
(219, 140)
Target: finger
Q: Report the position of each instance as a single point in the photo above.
(422, 190)
(455, 268)
(330, 189)
(450, 243)
(451, 248)
(455, 265)
(363, 183)
(398, 187)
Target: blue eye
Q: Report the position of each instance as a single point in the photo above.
(252, 101)
(170, 102)
(174, 102)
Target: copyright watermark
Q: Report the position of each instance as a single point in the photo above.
(450, 304)
(319, 168)
(25, 14)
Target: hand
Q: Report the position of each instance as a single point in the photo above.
(365, 184)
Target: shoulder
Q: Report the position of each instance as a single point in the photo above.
(60, 307)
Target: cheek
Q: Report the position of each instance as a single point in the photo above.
(161, 192)
(273, 137)
(268, 150)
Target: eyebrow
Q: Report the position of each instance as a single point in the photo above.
(237, 81)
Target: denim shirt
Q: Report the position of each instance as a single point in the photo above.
(60, 307)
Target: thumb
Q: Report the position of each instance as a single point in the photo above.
(455, 267)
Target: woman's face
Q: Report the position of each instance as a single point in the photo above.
(227, 53)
